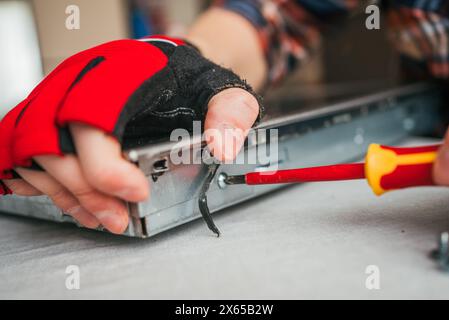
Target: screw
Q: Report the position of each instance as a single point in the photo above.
(221, 180)
(441, 254)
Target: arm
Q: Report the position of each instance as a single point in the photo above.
(94, 191)
(421, 32)
(237, 47)
(264, 41)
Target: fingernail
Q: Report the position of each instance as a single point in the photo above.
(111, 221)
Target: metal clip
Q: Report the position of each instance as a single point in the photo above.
(202, 199)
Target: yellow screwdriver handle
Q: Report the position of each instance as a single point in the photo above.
(391, 168)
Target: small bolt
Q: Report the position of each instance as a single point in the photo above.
(133, 156)
(221, 180)
(441, 254)
(409, 124)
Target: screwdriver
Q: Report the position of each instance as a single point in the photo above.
(385, 168)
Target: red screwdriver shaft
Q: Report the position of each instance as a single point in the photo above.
(385, 168)
(323, 173)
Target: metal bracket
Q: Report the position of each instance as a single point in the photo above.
(332, 133)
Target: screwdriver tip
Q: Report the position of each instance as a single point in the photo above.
(240, 179)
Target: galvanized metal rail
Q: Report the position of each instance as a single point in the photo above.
(333, 133)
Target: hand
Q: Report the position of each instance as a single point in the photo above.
(441, 166)
(92, 185)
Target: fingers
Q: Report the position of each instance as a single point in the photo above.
(108, 210)
(231, 113)
(59, 195)
(22, 188)
(441, 167)
(104, 167)
(87, 187)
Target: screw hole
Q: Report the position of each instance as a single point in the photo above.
(160, 165)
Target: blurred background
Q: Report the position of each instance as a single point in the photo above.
(34, 39)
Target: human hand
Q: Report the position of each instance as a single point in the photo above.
(441, 166)
(85, 99)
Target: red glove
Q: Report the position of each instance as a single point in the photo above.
(132, 89)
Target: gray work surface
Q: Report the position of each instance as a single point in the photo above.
(306, 241)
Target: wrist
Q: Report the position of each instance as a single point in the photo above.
(230, 40)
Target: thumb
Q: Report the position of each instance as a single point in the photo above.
(441, 167)
(231, 113)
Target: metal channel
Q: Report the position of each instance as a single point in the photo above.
(334, 133)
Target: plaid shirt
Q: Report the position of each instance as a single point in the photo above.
(289, 30)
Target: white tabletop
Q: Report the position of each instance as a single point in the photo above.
(307, 241)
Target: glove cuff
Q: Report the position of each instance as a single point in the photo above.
(210, 82)
(175, 96)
